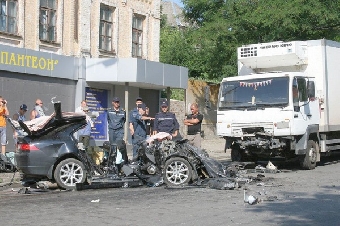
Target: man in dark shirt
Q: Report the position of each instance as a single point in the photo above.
(166, 121)
(194, 122)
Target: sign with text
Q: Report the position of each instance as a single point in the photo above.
(97, 101)
(29, 61)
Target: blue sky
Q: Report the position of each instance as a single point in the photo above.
(178, 2)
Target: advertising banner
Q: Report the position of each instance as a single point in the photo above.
(97, 101)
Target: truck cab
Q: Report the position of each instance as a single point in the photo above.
(271, 110)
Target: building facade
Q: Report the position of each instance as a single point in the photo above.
(83, 49)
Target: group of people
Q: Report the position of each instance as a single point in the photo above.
(141, 125)
(36, 112)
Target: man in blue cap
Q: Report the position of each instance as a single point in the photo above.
(19, 116)
(166, 121)
(116, 117)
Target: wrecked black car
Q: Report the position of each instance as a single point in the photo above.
(51, 152)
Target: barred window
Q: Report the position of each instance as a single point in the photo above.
(8, 16)
(137, 36)
(47, 20)
(105, 28)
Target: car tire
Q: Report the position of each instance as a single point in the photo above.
(308, 161)
(69, 172)
(177, 172)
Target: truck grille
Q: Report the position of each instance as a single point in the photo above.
(252, 128)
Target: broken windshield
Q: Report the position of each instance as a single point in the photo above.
(263, 93)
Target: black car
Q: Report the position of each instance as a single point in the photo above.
(49, 150)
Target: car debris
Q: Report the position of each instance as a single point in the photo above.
(250, 199)
(159, 161)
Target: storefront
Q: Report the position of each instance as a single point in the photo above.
(26, 75)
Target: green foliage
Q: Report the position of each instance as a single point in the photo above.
(176, 94)
(218, 27)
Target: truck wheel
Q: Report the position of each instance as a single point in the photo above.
(69, 172)
(308, 161)
(236, 155)
(177, 171)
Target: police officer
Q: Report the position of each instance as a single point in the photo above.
(116, 118)
(133, 114)
(139, 128)
(166, 121)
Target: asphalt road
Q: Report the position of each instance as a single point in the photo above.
(291, 197)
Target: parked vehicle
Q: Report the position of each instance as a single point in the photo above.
(284, 103)
(51, 152)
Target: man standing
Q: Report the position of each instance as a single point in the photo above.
(38, 110)
(133, 114)
(3, 114)
(166, 121)
(79, 109)
(84, 133)
(194, 122)
(132, 118)
(116, 118)
(139, 128)
(19, 116)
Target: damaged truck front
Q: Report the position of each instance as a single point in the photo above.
(283, 104)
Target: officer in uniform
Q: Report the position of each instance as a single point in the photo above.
(166, 121)
(133, 114)
(139, 128)
(132, 118)
(116, 118)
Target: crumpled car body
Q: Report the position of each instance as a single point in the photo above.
(49, 151)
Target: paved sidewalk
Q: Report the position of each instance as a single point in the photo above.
(214, 147)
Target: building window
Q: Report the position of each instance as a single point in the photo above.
(137, 36)
(8, 16)
(47, 20)
(106, 27)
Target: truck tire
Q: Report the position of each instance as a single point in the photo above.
(69, 172)
(308, 161)
(236, 155)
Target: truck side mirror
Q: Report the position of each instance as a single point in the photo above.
(311, 89)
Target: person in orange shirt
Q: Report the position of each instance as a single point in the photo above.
(3, 112)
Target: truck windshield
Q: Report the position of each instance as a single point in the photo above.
(269, 92)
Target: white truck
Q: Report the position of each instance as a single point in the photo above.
(284, 103)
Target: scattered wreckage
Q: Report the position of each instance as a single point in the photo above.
(49, 151)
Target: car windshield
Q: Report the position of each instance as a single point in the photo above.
(259, 93)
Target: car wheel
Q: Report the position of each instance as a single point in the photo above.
(177, 171)
(69, 172)
(308, 161)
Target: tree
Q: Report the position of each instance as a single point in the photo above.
(223, 25)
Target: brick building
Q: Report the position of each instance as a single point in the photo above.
(83, 49)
